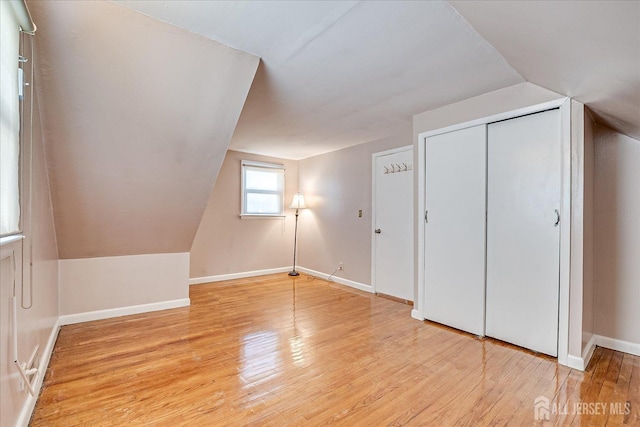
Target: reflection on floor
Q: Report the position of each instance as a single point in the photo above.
(301, 351)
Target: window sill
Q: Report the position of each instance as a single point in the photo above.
(7, 244)
(10, 239)
(258, 216)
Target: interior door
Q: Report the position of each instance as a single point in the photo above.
(523, 231)
(455, 229)
(393, 224)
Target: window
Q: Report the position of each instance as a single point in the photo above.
(262, 189)
(9, 123)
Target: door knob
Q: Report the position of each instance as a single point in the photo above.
(557, 218)
(378, 231)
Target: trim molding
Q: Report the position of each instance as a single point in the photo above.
(581, 362)
(8, 245)
(588, 352)
(340, 280)
(575, 362)
(242, 275)
(29, 405)
(70, 319)
(536, 108)
(419, 200)
(417, 314)
(617, 345)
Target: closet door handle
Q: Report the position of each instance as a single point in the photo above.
(557, 218)
(378, 231)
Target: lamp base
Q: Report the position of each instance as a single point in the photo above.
(294, 273)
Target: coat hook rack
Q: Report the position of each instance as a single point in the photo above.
(395, 168)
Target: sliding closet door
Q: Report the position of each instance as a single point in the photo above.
(455, 229)
(523, 231)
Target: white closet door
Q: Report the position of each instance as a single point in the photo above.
(455, 231)
(523, 234)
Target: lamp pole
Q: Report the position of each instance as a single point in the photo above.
(295, 242)
(297, 204)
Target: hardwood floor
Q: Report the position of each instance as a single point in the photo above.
(276, 350)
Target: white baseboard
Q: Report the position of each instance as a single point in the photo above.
(416, 315)
(581, 362)
(575, 362)
(588, 352)
(618, 345)
(70, 319)
(340, 280)
(221, 277)
(27, 410)
(245, 274)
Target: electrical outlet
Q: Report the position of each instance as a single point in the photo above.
(341, 266)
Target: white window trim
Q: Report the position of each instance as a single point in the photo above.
(245, 215)
(10, 216)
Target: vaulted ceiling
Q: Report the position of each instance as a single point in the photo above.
(587, 50)
(141, 98)
(339, 73)
(336, 74)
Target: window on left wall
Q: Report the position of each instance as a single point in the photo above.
(9, 123)
(262, 189)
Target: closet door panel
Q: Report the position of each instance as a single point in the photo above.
(455, 231)
(523, 239)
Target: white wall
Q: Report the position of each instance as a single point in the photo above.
(36, 325)
(264, 243)
(336, 185)
(617, 233)
(94, 284)
(138, 116)
(488, 104)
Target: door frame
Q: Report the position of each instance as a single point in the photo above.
(374, 157)
(564, 104)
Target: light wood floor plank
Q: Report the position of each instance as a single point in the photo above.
(276, 350)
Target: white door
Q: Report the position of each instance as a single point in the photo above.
(455, 229)
(523, 231)
(392, 263)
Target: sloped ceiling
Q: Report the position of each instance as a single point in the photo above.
(137, 116)
(340, 73)
(588, 50)
(139, 110)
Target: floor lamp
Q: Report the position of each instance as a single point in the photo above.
(297, 204)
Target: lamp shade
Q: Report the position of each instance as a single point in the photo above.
(298, 202)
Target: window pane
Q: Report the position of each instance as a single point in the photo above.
(10, 123)
(261, 180)
(262, 188)
(263, 203)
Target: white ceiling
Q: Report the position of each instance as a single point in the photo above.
(336, 74)
(339, 73)
(588, 50)
(138, 114)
